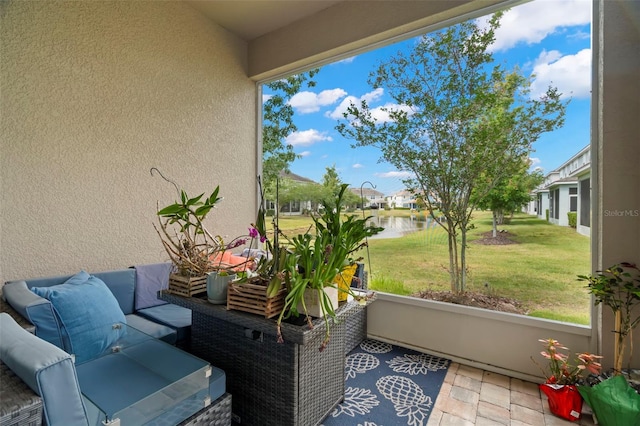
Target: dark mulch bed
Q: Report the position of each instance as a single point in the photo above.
(478, 300)
(475, 299)
(502, 238)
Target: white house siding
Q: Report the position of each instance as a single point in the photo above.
(560, 203)
(94, 94)
(562, 183)
(542, 199)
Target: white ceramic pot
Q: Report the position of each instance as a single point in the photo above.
(217, 287)
(313, 304)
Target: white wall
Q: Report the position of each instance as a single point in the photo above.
(494, 341)
(94, 94)
(563, 206)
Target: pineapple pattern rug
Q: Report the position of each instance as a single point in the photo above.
(388, 385)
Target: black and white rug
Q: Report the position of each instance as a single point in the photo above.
(388, 385)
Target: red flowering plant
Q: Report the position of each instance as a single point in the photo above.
(560, 371)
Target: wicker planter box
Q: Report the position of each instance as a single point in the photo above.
(252, 297)
(273, 384)
(187, 286)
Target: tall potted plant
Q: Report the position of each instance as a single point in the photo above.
(315, 259)
(614, 401)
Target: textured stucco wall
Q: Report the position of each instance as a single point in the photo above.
(94, 94)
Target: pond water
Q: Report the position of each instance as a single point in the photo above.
(395, 227)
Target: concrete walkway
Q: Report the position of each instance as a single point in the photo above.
(470, 396)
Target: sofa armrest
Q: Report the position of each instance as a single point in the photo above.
(46, 369)
(38, 310)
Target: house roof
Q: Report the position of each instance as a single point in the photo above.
(367, 192)
(294, 177)
(564, 181)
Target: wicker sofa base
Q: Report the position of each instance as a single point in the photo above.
(19, 405)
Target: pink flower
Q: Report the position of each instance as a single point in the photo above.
(253, 233)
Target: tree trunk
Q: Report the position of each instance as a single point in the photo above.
(463, 259)
(618, 348)
(495, 224)
(452, 271)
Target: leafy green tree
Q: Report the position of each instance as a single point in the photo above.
(332, 182)
(510, 192)
(333, 185)
(461, 117)
(277, 124)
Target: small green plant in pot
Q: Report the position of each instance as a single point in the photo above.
(190, 246)
(183, 234)
(315, 259)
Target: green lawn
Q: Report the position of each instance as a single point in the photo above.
(540, 270)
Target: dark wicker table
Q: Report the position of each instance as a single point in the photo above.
(290, 383)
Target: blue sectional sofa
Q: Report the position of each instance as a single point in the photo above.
(73, 321)
(135, 290)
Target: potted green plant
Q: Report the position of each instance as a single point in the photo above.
(562, 377)
(187, 241)
(315, 259)
(613, 400)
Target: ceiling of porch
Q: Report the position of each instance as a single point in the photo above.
(293, 35)
(251, 19)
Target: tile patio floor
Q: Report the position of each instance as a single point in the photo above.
(470, 396)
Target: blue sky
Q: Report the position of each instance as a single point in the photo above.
(548, 38)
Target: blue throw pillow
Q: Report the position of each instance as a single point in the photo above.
(87, 311)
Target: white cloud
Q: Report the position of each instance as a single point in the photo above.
(265, 98)
(308, 102)
(533, 162)
(307, 137)
(571, 74)
(395, 174)
(373, 96)
(357, 166)
(382, 115)
(345, 60)
(531, 22)
(305, 153)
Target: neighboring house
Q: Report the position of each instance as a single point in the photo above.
(294, 207)
(403, 199)
(370, 197)
(566, 189)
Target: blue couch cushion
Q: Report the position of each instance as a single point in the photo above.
(171, 315)
(150, 279)
(87, 311)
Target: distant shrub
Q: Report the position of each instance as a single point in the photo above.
(546, 213)
(573, 219)
(271, 212)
